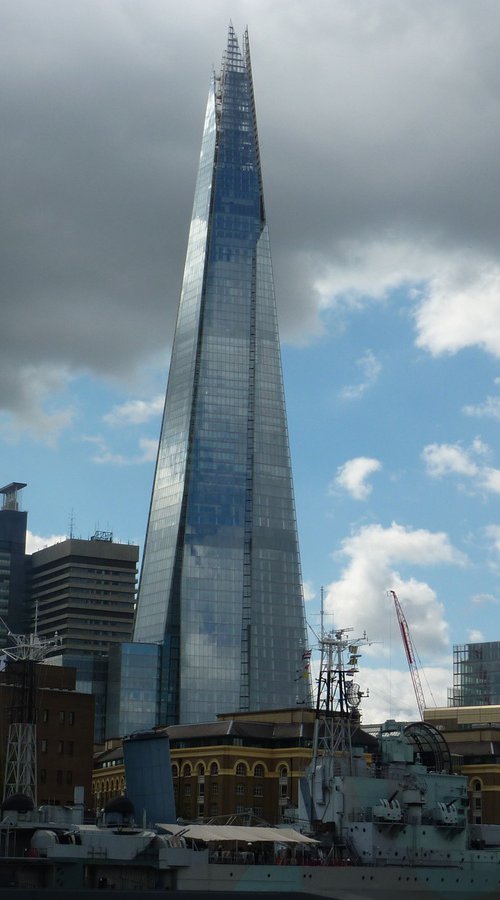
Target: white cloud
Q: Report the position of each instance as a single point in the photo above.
(493, 533)
(352, 476)
(359, 597)
(476, 636)
(149, 450)
(457, 293)
(104, 456)
(490, 480)
(135, 412)
(489, 409)
(391, 694)
(461, 309)
(309, 592)
(446, 459)
(35, 542)
(453, 459)
(28, 399)
(371, 368)
(481, 599)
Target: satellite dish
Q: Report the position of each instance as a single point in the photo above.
(353, 694)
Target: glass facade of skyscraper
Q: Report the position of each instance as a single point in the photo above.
(476, 675)
(132, 689)
(221, 584)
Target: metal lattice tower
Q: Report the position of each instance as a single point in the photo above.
(338, 695)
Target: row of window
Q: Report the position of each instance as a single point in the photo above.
(67, 747)
(60, 777)
(213, 810)
(240, 789)
(65, 716)
(240, 768)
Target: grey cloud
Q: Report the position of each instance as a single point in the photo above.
(376, 119)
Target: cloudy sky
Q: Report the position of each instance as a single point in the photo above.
(379, 124)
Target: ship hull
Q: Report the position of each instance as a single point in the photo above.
(349, 882)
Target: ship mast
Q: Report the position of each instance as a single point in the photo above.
(337, 717)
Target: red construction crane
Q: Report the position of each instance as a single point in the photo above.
(410, 654)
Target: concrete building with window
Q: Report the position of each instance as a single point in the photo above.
(84, 592)
(13, 523)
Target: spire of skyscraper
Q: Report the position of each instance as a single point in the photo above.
(221, 585)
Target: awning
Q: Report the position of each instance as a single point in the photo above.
(249, 834)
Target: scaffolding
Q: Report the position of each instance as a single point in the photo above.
(476, 675)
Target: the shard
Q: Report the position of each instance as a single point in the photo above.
(221, 586)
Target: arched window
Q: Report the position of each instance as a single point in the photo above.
(214, 769)
(259, 771)
(283, 771)
(186, 769)
(241, 768)
(200, 769)
(175, 770)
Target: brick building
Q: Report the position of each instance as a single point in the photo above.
(64, 731)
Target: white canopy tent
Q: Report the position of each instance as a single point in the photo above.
(249, 834)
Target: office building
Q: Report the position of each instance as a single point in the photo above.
(83, 591)
(221, 586)
(132, 688)
(476, 674)
(13, 522)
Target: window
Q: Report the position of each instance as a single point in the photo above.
(71, 718)
(201, 769)
(187, 790)
(186, 770)
(283, 771)
(45, 715)
(214, 788)
(258, 790)
(214, 769)
(201, 789)
(240, 789)
(214, 809)
(43, 746)
(259, 771)
(61, 717)
(60, 747)
(241, 769)
(59, 777)
(175, 771)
